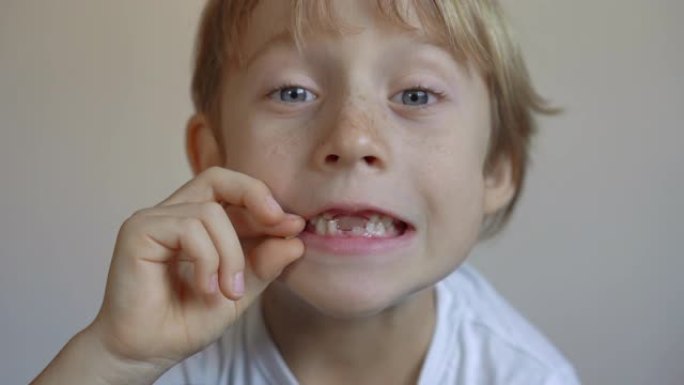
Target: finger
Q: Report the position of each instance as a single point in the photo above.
(222, 185)
(247, 227)
(231, 257)
(159, 239)
(198, 248)
(267, 261)
(269, 258)
(222, 234)
(242, 221)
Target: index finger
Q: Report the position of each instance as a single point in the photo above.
(217, 184)
(247, 227)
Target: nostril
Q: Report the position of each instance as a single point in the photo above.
(371, 160)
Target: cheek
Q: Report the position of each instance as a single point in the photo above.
(452, 186)
(269, 152)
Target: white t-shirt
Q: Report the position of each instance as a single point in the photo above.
(478, 339)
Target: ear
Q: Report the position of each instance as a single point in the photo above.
(201, 145)
(499, 186)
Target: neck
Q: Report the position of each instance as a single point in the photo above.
(323, 350)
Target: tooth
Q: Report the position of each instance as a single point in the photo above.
(380, 229)
(320, 226)
(332, 227)
(376, 226)
(371, 228)
(392, 231)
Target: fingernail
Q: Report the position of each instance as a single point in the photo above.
(213, 283)
(238, 284)
(273, 205)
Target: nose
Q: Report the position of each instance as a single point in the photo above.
(354, 140)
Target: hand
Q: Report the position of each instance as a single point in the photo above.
(179, 275)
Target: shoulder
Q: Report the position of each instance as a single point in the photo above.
(494, 338)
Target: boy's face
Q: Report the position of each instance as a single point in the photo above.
(377, 119)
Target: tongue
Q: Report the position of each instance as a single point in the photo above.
(347, 223)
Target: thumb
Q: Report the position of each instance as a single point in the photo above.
(267, 260)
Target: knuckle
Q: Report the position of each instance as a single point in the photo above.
(213, 172)
(211, 210)
(134, 220)
(130, 223)
(191, 226)
(140, 212)
(132, 230)
(260, 187)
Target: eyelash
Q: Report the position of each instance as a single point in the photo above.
(438, 94)
(422, 88)
(285, 86)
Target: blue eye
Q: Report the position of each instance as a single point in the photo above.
(415, 97)
(418, 97)
(293, 94)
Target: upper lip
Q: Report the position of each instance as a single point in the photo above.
(355, 208)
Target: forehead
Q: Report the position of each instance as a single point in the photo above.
(297, 21)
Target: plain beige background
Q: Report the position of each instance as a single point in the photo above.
(94, 97)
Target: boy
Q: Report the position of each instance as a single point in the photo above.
(348, 155)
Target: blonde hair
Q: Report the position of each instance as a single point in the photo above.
(474, 30)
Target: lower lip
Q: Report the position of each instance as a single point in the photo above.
(355, 246)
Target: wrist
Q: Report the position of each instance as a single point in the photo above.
(113, 368)
(85, 360)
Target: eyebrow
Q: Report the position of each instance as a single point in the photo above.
(281, 38)
(285, 37)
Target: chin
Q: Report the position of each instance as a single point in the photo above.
(345, 295)
(348, 307)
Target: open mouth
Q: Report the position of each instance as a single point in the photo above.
(363, 224)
